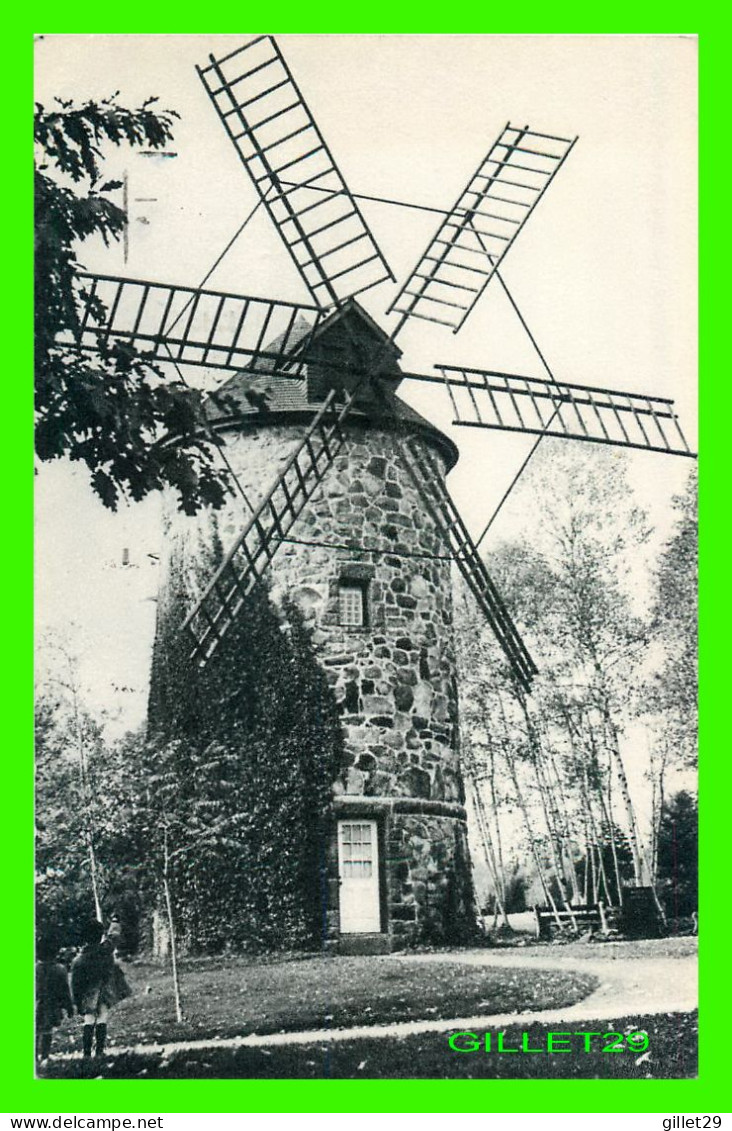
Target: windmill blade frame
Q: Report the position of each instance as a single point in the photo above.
(509, 402)
(462, 257)
(252, 552)
(218, 329)
(440, 505)
(334, 230)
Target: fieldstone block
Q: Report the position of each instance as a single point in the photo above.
(419, 890)
(422, 701)
(403, 697)
(376, 704)
(350, 703)
(417, 782)
(403, 911)
(381, 783)
(354, 781)
(377, 466)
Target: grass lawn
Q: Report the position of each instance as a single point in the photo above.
(672, 1053)
(234, 996)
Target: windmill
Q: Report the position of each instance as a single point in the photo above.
(348, 367)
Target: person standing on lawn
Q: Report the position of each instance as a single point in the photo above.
(97, 983)
(53, 998)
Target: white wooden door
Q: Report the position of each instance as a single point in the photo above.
(358, 871)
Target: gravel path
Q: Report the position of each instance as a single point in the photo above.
(631, 984)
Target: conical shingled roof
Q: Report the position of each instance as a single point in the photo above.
(341, 348)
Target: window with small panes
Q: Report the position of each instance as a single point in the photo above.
(353, 603)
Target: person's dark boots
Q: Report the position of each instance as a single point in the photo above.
(101, 1040)
(86, 1039)
(46, 1039)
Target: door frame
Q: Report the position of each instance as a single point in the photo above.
(377, 821)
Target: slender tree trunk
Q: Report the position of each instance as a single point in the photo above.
(579, 769)
(525, 813)
(471, 774)
(534, 747)
(94, 881)
(607, 812)
(575, 735)
(640, 875)
(606, 806)
(658, 776)
(498, 838)
(532, 843)
(488, 852)
(495, 823)
(86, 800)
(171, 928)
(596, 841)
(613, 745)
(562, 815)
(642, 871)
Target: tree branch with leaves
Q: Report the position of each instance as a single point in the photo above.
(136, 429)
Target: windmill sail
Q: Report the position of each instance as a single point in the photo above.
(292, 169)
(193, 326)
(435, 495)
(486, 399)
(476, 235)
(251, 554)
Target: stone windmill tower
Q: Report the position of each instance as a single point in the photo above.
(352, 519)
(369, 570)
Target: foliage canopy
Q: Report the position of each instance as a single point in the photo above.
(135, 429)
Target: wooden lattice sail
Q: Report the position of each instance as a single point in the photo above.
(476, 235)
(294, 172)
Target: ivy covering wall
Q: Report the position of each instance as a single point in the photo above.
(259, 746)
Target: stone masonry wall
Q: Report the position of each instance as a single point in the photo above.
(395, 678)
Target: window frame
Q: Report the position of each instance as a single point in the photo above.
(360, 586)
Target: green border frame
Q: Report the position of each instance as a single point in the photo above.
(23, 1093)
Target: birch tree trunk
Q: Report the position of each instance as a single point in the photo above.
(530, 834)
(486, 838)
(640, 873)
(487, 846)
(535, 749)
